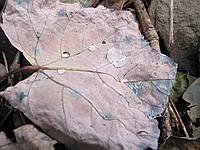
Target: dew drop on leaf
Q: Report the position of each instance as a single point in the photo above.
(65, 54)
(142, 133)
(61, 71)
(103, 42)
(92, 47)
(139, 105)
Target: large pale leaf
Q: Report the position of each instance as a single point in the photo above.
(104, 85)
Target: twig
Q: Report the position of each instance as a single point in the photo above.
(179, 118)
(6, 66)
(171, 34)
(1, 106)
(8, 114)
(22, 117)
(174, 116)
(15, 65)
(16, 62)
(146, 25)
(92, 3)
(167, 122)
(3, 9)
(25, 68)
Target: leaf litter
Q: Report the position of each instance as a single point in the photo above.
(101, 83)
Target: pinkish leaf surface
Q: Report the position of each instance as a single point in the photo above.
(27, 137)
(104, 85)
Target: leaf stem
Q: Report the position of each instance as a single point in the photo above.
(25, 68)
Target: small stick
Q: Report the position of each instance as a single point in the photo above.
(179, 118)
(25, 68)
(167, 121)
(173, 115)
(171, 34)
(8, 114)
(146, 25)
(6, 66)
(22, 117)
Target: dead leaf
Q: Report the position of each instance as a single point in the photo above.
(183, 143)
(192, 95)
(5, 143)
(27, 137)
(104, 84)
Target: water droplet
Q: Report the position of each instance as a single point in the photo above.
(92, 47)
(142, 133)
(61, 71)
(106, 117)
(124, 80)
(38, 34)
(65, 54)
(103, 42)
(116, 57)
(139, 105)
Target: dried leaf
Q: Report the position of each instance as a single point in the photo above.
(5, 143)
(27, 137)
(192, 95)
(182, 143)
(104, 84)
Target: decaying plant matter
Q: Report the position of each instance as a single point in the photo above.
(145, 23)
(95, 73)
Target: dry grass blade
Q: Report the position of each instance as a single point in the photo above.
(171, 34)
(167, 121)
(179, 118)
(6, 66)
(174, 116)
(7, 115)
